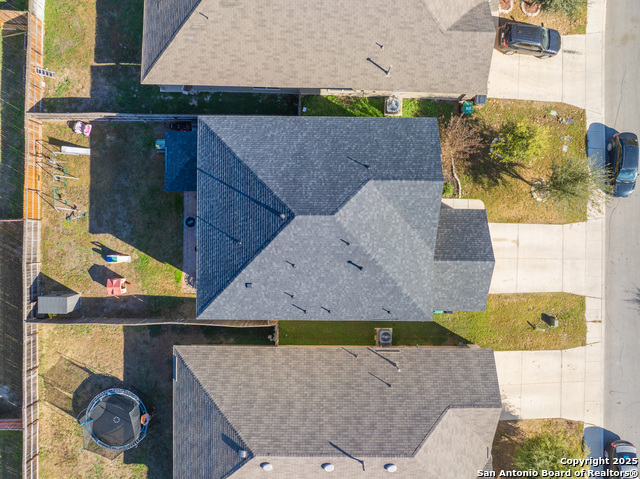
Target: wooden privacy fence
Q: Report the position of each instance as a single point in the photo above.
(31, 247)
(110, 117)
(12, 20)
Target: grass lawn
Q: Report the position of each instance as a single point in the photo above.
(504, 325)
(121, 188)
(362, 333)
(505, 190)
(95, 49)
(77, 362)
(564, 24)
(317, 105)
(12, 126)
(10, 454)
(511, 434)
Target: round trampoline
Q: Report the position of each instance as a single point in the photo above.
(114, 420)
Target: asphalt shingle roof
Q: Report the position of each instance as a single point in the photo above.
(464, 260)
(357, 408)
(181, 160)
(291, 227)
(429, 46)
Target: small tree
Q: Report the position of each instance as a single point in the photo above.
(570, 8)
(460, 138)
(519, 142)
(545, 452)
(575, 182)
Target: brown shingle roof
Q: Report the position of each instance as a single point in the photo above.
(431, 411)
(430, 46)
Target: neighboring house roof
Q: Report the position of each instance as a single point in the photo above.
(325, 219)
(431, 46)
(431, 412)
(181, 157)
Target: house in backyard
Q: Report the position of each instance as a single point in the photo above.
(310, 218)
(299, 412)
(415, 48)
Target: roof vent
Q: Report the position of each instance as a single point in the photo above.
(328, 467)
(266, 466)
(391, 467)
(242, 453)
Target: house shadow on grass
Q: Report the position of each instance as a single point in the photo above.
(12, 125)
(148, 366)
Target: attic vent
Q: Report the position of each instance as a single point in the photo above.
(328, 467)
(391, 467)
(242, 453)
(266, 466)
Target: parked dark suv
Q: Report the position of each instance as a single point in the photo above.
(623, 154)
(528, 39)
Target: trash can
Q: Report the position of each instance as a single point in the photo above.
(467, 107)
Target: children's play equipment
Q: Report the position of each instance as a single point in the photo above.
(115, 420)
(118, 258)
(82, 128)
(116, 287)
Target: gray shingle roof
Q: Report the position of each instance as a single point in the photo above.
(430, 46)
(298, 408)
(181, 160)
(362, 241)
(464, 260)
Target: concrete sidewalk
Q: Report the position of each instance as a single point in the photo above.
(569, 383)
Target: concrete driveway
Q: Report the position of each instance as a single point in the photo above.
(573, 76)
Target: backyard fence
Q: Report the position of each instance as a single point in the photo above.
(109, 117)
(31, 243)
(12, 20)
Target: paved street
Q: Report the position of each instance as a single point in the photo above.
(622, 328)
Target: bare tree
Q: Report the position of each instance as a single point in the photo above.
(459, 139)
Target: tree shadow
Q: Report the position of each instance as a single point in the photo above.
(489, 171)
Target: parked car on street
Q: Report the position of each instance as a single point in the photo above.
(621, 456)
(623, 155)
(528, 40)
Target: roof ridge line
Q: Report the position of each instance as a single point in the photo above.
(441, 417)
(262, 247)
(155, 60)
(215, 405)
(400, 286)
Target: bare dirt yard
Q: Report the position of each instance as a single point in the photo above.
(120, 189)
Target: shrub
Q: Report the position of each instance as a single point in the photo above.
(570, 8)
(519, 142)
(576, 182)
(545, 451)
(447, 190)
